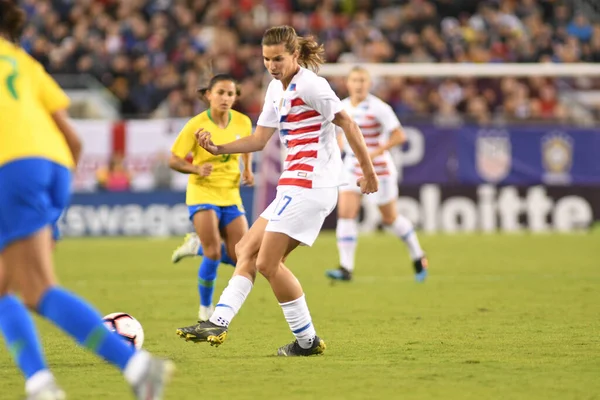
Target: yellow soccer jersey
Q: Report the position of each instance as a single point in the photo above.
(221, 187)
(28, 98)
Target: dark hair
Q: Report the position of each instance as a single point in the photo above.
(216, 79)
(12, 19)
(310, 53)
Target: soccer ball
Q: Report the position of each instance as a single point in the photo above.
(127, 327)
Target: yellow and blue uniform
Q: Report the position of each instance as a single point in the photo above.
(35, 179)
(220, 191)
(35, 160)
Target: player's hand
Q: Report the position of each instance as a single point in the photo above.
(368, 184)
(247, 178)
(204, 170)
(204, 140)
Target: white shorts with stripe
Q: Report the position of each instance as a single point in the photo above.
(300, 212)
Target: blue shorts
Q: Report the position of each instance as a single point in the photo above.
(34, 192)
(225, 214)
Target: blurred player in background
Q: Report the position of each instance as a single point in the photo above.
(213, 191)
(38, 150)
(382, 131)
(303, 108)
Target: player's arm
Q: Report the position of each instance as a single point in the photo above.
(390, 123)
(183, 145)
(356, 141)
(248, 144)
(61, 119)
(397, 137)
(267, 124)
(247, 160)
(179, 164)
(247, 175)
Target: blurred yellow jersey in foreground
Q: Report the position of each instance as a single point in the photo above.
(28, 98)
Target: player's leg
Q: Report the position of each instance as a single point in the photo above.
(234, 226)
(32, 274)
(20, 335)
(206, 224)
(28, 261)
(192, 247)
(16, 324)
(297, 218)
(214, 331)
(346, 233)
(401, 227)
(289, 294)
(287, 224)
(285, 284)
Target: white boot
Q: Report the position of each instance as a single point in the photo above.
(205, 313)
(189, 248)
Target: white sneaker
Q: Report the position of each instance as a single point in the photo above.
(189, 248)
(205, 313)
(154, 379)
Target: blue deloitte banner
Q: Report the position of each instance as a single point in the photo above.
(467, 179)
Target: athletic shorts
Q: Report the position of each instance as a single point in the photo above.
(300, 212)
(225, 214)
(388, 189)
(33, 194)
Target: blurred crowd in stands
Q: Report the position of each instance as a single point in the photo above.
(154, 54)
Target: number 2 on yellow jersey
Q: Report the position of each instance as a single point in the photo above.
(8, 82)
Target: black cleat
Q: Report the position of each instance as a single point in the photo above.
(204, 331)
(421, 269)
(340, 274)
(294, 350)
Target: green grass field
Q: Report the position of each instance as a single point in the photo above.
(501, 317)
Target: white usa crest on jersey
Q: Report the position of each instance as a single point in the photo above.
(493, 155)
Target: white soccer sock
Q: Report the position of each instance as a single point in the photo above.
(347, 235)
(298, 317)
(136, 366)
(38, 381)
(231, 300)
(405, 230)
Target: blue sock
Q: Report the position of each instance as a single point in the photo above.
(207, 275)
(225, 259)
(83, 323)
(21, 336)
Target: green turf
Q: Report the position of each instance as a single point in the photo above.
(501, 317)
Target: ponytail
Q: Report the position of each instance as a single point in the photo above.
(310, 53)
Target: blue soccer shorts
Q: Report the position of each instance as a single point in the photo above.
(34, 192)
(225, 214)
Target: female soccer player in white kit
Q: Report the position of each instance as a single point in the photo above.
(382, 131)
(303, 108)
